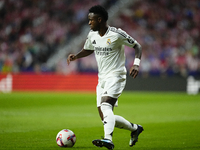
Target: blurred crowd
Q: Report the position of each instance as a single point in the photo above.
(31, 32)
(169, 32)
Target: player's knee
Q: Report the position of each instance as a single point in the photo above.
(109, 100)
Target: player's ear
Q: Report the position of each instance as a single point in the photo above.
(99, 19)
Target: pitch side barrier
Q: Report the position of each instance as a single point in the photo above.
(191, 84)
(88, 82)
(47, 82)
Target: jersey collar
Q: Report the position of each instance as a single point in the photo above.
(107, 30)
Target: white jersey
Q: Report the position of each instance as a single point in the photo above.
(109, 51)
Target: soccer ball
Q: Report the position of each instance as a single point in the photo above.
(66, 138)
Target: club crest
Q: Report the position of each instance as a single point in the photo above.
(108, 41)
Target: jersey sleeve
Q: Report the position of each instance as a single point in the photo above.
(88, 44)
(126, 39)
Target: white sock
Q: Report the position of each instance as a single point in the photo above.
(109, 120)
(122, 123)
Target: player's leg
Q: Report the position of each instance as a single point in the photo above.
(99, 91)
(107, 108)
(108, 119)
(108, 116)
(135, 129)
(122, 123)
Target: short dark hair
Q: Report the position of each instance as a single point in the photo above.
(98, 9)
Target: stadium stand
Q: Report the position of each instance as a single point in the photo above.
(31, 32)
(169, 33)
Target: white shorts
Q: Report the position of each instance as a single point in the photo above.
(112, 86)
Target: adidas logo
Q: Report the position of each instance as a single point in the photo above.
(94, 42)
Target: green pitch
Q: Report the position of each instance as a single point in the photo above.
(171, 121)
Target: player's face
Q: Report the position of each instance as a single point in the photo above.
(94, 21)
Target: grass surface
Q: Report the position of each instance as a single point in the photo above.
(171, 121)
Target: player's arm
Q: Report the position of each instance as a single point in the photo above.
(129, 41)
(82, 53)
(134, 70)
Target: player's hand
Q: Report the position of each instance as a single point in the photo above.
(70, 58)
(134, 71)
